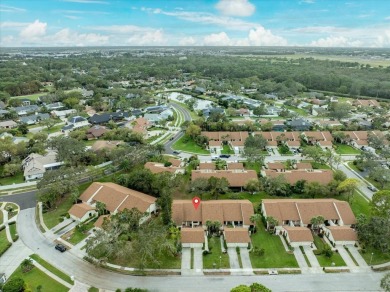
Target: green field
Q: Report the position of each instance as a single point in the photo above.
(378, 257)
(214, 256)
(52, 217)
(189, 146)
(275, 256)
(325, 261)
(346, 149)
(36, 278)
(51, 268)
(32, 97)
(227, 150)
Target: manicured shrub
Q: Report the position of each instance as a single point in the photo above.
(14, 285)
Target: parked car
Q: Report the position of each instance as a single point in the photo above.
(224, 155)
(176, 152)
(60, 247)
(372, 188)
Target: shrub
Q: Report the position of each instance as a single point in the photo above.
(167, 164)
(67, 215)
(235, 197)
(61, 219)
(5, 249)
(12, 223)
(328, 252)
(258, 251)
(206, 252)
(14, 285)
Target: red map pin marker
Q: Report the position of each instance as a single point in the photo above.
(196, 202)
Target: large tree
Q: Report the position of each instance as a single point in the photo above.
(380, 204)
(348, 187)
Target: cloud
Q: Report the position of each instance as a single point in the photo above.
(150, 38)
(308, 1)
(66, 37)
(72, 17)
(5, 8)
(13, 25)
(34, 30)
(188, 41)
(336, 41)
(206, 18)
(235, 7)
(217, 39)
(87, 1)
(264, 37)
(80, 12)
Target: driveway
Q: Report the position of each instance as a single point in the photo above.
(233, 258)
(300, 259)
(104, 279)
(185, 259)
(198, 260)
(347, 258)
(356, 255)
(246, 261)
(311, 257)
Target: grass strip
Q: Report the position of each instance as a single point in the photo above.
(51, 268)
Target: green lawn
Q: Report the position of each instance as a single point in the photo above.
(253, 166)
(359, 205)
(299, 111)
(9, 180)
(227, 150)
(275, 256)
(325, 261)
(32, 97)
(14, 210)
(317, 165)
(346, 149)
(77, 236)
(52, 217)
(1, 217)
(93, 289)
(378, 257)
(4, 243)
(51, 268)
(12, 230)
(214, 256)
(189, 146)
(35, 278)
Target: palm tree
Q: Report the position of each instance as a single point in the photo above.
(160, 148)
(101, 207)
(271, 223)
(316, 221)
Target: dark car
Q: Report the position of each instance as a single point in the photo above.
(224, 156)
(176, 152)
(60, 247)
(372, 188)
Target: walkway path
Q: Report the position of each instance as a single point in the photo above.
(311, 257)
(301, 260)
(347, 259)
(51, 275)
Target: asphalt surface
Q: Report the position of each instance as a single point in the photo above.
(24, 200)
(104, 279)
(187, 117)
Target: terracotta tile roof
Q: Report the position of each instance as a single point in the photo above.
(175, 162)
(276, 165)
(213, 143)
(235, 165)
(346, 213)
(211, 135)
(192, 235)
(343, 233)
(237, 235)
(214, 210)
(207, 165)
(96, 131)
(99, 222)
(159, 167)
(98, 145)
(225, 136)
(236, 178)
(299, 234)
(303, 165)
(293, 143)
(318, 135)
(325, 143)
(305, 209)
(324, 176)
(117, 197)
(79, 210)
(240, 143)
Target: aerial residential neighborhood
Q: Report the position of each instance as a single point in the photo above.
(194, 146)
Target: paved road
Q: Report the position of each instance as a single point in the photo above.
(187, 117)
(362, 186)
(24, 200)
(86, 273)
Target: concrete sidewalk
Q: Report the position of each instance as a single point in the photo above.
(13, 257)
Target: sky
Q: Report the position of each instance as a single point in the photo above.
(319, 23)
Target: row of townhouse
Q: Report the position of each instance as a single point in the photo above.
(234, 216)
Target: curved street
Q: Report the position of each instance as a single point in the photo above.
(87, 273)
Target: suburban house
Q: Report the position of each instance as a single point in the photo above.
(155, 118)
(8, 124)
(366, 103)
(103, 144)
(234, 213)
(35, 165)
(235, 174)
(323, 176)
(236, 237)
(15, 140)
(115, 198)
(217, 139)
(192, 237)
(274, 139)
(27, 109)
(139, 125)
(294, 219)
(299, 125)
(96, 132)
(321, 138)
(104, 118)
(175, 167)
(81, 212)
(62, 114)
(325, 124)
(215, 110)
(55, 106)
(358, 139)
(33, 119)
(74, 123)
